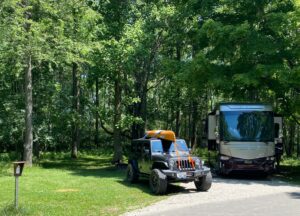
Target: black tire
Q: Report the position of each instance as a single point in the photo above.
(131, 174)
(158, 182)
(204, 183)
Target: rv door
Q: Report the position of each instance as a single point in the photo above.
(211, 129)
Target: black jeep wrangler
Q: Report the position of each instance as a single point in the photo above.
(163, 162)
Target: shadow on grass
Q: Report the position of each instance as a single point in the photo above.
(94, 167)
(69, 164)
(290, 174)
(10, 210)
(143, 185)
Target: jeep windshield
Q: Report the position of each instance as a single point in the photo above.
(180, 146)
(168, 147)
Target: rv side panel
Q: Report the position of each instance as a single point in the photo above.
(212, 123)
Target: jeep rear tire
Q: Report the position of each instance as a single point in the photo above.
(131, 174)
(204, 183)
(158, 182)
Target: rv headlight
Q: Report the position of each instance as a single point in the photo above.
(224, 157)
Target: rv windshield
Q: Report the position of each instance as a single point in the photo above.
(247, 126)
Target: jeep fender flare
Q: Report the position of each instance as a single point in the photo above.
(160, 165)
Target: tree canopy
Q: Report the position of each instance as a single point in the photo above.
(97, 73)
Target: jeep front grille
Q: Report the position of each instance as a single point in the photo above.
(184, 165)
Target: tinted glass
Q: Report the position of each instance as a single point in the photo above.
(156, 146)
(247, 126)
(181, 146)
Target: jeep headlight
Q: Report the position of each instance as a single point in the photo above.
(198, 163)
(171, 164)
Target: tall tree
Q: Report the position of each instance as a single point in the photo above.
(24, 33)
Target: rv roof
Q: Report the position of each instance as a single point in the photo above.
(245, 106)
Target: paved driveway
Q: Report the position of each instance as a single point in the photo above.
(230, 196)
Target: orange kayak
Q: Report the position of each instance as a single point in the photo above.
(161, 134)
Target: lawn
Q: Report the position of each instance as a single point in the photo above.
(89, 185)
(290, 170)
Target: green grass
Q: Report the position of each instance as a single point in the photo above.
(290, 170)
(60, 186)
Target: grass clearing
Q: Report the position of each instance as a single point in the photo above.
(86, 186)
(290, 170)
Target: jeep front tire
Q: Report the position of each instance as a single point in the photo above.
(158, 182)
(131, 174)
(203, 183)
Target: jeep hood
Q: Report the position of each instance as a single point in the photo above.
(167, 157)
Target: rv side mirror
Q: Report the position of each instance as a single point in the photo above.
(280, 135)
(217, 135)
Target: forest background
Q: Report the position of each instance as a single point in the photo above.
(85, 75)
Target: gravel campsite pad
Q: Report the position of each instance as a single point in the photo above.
(223, 190)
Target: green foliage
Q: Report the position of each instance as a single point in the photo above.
(290, 170)
(170, 60)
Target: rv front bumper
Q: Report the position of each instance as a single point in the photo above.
(266, 164)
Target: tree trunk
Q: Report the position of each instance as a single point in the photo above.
(177, 115)
(298, 141)
(177, 121)
(76, 109)
(27, 156)
(140, 108)
(194, 124)
(189, 124)
(97, 114)
(290, 144)
(117, 117)
(186, 125)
